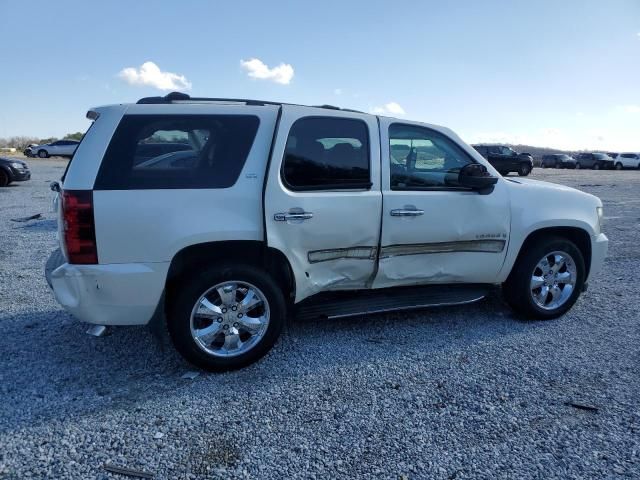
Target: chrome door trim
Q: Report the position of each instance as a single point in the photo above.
(488, 246)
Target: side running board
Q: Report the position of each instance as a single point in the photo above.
(364, 302)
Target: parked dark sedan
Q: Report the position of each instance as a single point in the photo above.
(558, 160)
(597, 161)
(13, 171)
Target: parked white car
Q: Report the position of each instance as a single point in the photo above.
(627, 160)
(59, 148)
(267, 210)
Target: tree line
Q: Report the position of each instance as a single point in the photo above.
(21, 142)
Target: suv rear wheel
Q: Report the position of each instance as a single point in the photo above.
(546, 280)
(4, 178)
(596, 166)
(618, 166)
(43, 153)
(226, 317)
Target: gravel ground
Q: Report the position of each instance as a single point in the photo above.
(467, 392)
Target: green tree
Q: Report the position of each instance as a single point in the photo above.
(73, 136)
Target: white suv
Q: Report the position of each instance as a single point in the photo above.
(221, 217)
(627, 160)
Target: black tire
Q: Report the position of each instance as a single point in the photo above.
(43, 154)
(596, 166)
(517, 288)
(192, 287)
(558, 165)
(618, 166)
(524, 170)
(543, 165)
(4, 178)
(578, 166)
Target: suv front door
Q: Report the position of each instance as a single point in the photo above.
(434, 230)
(322, 200)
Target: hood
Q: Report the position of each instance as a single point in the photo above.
(539, 191)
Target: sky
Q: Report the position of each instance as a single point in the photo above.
(562, 74)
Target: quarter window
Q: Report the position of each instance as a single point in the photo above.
(177, 151)
(422, 158)
(324, 153)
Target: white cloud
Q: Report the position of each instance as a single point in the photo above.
(338, 91)
(256, 68)
(391, 108)
(638, 34)
(631, 108)
(149, 74)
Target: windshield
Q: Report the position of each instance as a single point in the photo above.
(507, 151)
(600, 156)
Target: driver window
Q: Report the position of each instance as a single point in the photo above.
(421, 158)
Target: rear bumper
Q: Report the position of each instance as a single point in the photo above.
(114, 294)
(599, 247)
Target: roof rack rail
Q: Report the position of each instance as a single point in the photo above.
(179, 97)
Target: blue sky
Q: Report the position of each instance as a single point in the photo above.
(547, 73)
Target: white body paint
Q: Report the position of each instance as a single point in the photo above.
(139, 232)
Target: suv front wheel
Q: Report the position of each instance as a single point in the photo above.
(546, 280)
(524, 170)
(226, 317)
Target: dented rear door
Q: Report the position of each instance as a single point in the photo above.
(433, 231)
(323, 201)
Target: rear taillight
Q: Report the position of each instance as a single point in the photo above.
(79, 227)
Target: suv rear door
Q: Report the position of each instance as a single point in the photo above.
(322, 200)
(495, 157)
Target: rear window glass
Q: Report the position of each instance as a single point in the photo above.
(628, 155)
(177, 151)
(327, 154)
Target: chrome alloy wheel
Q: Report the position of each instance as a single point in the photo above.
(229, 319)
(553, 280)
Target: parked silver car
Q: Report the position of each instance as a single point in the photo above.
(59, 148)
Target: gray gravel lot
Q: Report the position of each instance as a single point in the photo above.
(468, 392)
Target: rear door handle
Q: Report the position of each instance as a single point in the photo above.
(404, 212)
(283, 217)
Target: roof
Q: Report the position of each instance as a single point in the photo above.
(179, 97)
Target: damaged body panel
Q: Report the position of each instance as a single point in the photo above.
(329, 235)
(436, 234)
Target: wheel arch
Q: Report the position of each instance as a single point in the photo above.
(579, 236)
(7, 171)
(246, 252)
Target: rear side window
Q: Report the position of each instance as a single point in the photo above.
(177, 151)
(324, 153)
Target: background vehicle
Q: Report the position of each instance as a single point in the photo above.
(227, 236)
(557, 160)
(13, 171)
(506, 160)
(59, 148)
(597, 161)
(627, 160)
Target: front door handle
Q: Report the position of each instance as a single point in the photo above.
(284, 217)
(405, 212)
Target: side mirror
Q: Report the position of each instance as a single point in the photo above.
(476, 177)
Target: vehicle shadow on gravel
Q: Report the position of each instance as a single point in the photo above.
(49, 361)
